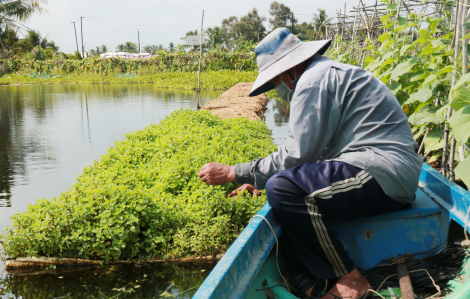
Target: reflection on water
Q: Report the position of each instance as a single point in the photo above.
(179, 280)
(48, 133)
(277, 119)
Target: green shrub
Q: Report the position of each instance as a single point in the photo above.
(210, 80)
(164, 62)
(144, 198)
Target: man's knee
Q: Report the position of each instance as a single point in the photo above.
(275, 187)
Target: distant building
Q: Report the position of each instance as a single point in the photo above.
(126, 55)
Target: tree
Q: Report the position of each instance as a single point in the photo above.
(248, 28)
(153, 49)
(282, 16)
(319, 23)
(189, 33)
(215, 37)
(34, 43)
(98, 50)
(305, 31)
(14, 11)
(9, 38)
(171, 47)
(129, 47)
(95, 52)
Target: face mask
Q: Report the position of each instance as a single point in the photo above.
(284, 92)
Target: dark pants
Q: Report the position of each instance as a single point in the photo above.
(308, 197)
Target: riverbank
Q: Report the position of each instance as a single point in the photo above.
(210, 80)
(235, 102)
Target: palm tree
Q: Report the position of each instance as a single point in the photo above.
(171, 47)
(152, 49)
(103, 49)
(319, 22)
(189, 33)
(129, 47)
(33, 42)
(215, 37)
(95, 52)
(121, 48)
(13, 11)
(9, 39)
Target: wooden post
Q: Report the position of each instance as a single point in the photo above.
(373, 16)
(354, 26)
(76, 40)
(455, 44)
(200, 59)
(81, 30)
(405, 282)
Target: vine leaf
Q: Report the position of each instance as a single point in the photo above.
(395, 87)
(421, 106)
(422, 95)
(402, 21)
(465, 78)
(425, 116)
(425, 36)
(384, 36)
(463, 170)
(434, 157)
(460, 98)
(429, 79)
(433, 22)
(429, 49)
(402, 68)
(433, 140)
(392, 7)
(460, 122)
(406, 48)
(465, 36)
(389, 61)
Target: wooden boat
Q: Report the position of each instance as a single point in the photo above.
(249, 265)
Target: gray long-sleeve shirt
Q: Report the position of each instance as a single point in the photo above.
(343, 113)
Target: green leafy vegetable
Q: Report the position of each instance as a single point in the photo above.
(144, 198)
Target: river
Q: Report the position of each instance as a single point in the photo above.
(48, 133)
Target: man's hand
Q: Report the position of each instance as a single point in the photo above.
(248, 187)
(217, 174)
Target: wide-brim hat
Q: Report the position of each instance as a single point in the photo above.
(279, 52)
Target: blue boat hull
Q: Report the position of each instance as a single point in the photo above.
(249, 265)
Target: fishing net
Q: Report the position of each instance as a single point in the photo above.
(443, 264)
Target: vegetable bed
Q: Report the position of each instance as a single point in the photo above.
(143, 198)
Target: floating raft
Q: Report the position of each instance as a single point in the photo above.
(232, 103)
(235, 102)
(26, 262)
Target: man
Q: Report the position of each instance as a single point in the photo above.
(350, 153)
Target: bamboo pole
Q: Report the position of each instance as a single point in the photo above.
(464, 58)
(354, 26)
(200, 59)
(450, 161)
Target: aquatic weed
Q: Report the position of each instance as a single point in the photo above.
(143, 197)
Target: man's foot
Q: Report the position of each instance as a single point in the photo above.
(352, 286)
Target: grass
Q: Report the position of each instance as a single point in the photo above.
(211, 80)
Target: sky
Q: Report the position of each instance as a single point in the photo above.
(179, 16)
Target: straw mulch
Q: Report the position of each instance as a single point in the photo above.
(236, 103)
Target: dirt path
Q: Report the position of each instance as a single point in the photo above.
(235, 102)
